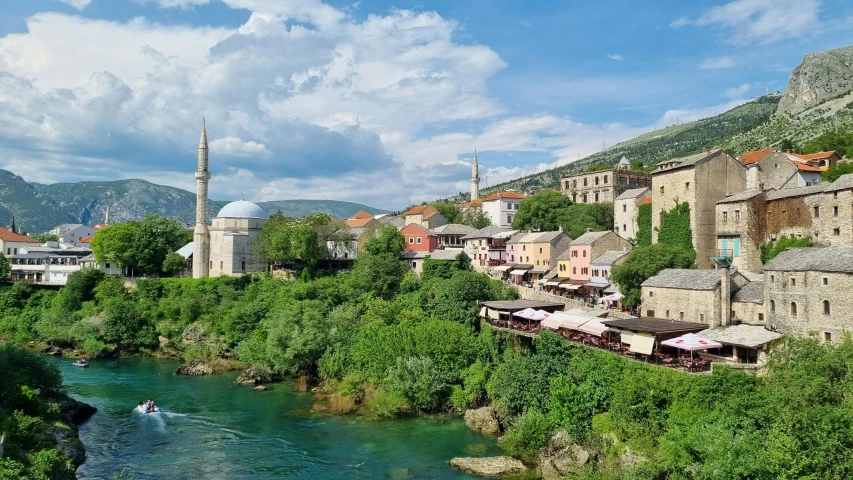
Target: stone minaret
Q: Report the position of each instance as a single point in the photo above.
(201, 239)
(475, 179)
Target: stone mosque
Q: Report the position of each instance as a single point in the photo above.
(227, 246)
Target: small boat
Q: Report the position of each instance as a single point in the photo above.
(81, 363)
(142, 409)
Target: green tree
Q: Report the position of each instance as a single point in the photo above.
(770, 249)
(388, 241)
(542, 211)
(116, 244)
(578, 218)
(157, 237)
(836, 171)
(475, 217)
(288, 240)
(174, 263)
(838, 140)
(4, 267)
(645, 262)
(785, 145)
(46, 237)
(450, 212)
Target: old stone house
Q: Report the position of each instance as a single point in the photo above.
(805, 292)
(700, 180)
(625, 210)
(426, 216)
(603, 186)
(689, 295)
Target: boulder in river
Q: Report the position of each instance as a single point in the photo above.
(488, 466)
(259, 388)
(254, 376)
(485, 420)
(194, 367)
(73, 411)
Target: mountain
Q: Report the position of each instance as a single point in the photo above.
(38, 207)
(818, 98)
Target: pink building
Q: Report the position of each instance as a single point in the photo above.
(419, 239)
(591, 245)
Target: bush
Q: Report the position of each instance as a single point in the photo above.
(419, 380)
(382, 403)
(527, 435)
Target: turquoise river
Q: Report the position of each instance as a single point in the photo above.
(211, 429)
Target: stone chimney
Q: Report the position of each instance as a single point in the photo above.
(760, 187)
(725, 297)
(707, 149)
(788, 150)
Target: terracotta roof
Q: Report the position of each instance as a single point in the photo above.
(85, 240)
(419, 227)
(360, 215)
(358, 222)
(430, 213)
(645, 201)
(472, 203)
(7, 235)
(754, 156)
(499, 195)
(417, 210)
(815, 156)
(805, 167)
(101, 226)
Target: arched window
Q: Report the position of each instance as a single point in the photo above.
(793, 309)
(574, 270)
(826, 307)
(243, 265)
(346, 254)
(772, 306)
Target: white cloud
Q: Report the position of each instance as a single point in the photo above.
(78, 4)
(680, 22)
(684, 115)
(763, 21)
(616, 56)
(526, 23)
(176, 3)
(737, 92)
(717, 63)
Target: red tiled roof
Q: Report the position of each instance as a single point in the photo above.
(419, 227)
(805, 167)
(645, 201)
(85, 240)
(360, 215)
(472, 203)
(496, 196)
(7, 235)
(749, 158)
(358, 222)
(417, 210)
(815, 156)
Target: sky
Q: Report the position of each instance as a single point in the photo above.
(374, 101)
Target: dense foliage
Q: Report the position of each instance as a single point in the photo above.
(28, 411)
(449, 211)
(645, 262)
(836, 171)
(475, 217)
(302, 241)
(4, 266)
(46, 237)
(675, 230)
(772, 248)
(644, 225)
(141, 246)
(837, 139)
(550, 210)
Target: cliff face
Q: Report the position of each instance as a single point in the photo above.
(821, 76)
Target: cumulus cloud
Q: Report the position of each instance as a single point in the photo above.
(739, 91)
(680, 22)
(763, 21)
(717, 63)
(615, 56)
(78, 4)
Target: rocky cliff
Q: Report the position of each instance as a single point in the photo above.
(821, 76)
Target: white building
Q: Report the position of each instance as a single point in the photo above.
(502, 207)
(625, 211)
(110, 268)
(11, 242)
(233, 235)
(72, 232)
(48, 264)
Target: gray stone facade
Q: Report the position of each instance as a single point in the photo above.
(232, 246)
(602, 186)
(625, 211)
(701, 180)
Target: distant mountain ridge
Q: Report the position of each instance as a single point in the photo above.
(38, 207)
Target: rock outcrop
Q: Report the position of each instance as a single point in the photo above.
(561, 456)
(488, 466)
(194, 367)
(254, 376)
(485, 420)
(72, 413)
(821, 76)
(259, 388)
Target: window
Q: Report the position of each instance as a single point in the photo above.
(526, 259)
(701, 317)
(584, 198)
(574, 184)
(667, 314)
(524, 248)
(760, 317)
(411, 239)
(836, 231)
(687, 186)
(624, 208)
(826, 310)
(650, 313)
(624, 228)
(661, 189)
(737, 215)
(574, 270)
(772, 306)
(537, 263)
(651, 293)
(725, 216)
(824, 281)
(540, 249)
(596, 180)
(816, 211)
(834, 194)
(221, 265)
(834, 211)
(419, 240)
(414, 265)
(584, 253)
(211, 264)
(827, 337)
(772, 278)
(107, 265)
(793, 282)
(596, 197)
(243, 264)
(605, 179)
(584, 182)
(793, 309)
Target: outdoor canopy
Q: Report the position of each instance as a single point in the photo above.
(593, 327)
(503, 268)
(614, 297)
(526, 313)
(691, 342)
(518, 272)
(569, 321)
(539, 315)
(642, 343)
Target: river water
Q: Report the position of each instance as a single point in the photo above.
(210, 429)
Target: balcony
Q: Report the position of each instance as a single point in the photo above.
(497, 246)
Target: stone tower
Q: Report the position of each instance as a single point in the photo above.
(475, 179)
(201, 239)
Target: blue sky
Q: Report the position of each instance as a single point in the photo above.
(373, 101)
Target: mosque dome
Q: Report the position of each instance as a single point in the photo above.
(241, 209)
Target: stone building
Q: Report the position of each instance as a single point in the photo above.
(487, 247)
(603, 186)
(703, 296)
(748, 304)
(450, 235)
(806, 292)
(740, 220)
(426, 216)
(625, 210)
(777, 170)
(700, 180)
(233, 235)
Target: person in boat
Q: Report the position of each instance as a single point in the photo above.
(142, 407)
(150, 406)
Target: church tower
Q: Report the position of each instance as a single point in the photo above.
(475, 179)
(201, 239)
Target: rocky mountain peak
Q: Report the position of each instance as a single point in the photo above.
(820, 77)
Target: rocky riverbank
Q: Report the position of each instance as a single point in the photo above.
(73, 413)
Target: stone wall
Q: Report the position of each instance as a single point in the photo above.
(700, 306)
(625, 216)
(541, 296)
(746, 221)
(607, 184)
(749, 312)
(807, 292)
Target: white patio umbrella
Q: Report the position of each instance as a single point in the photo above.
(691, 342)
(526, 313)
